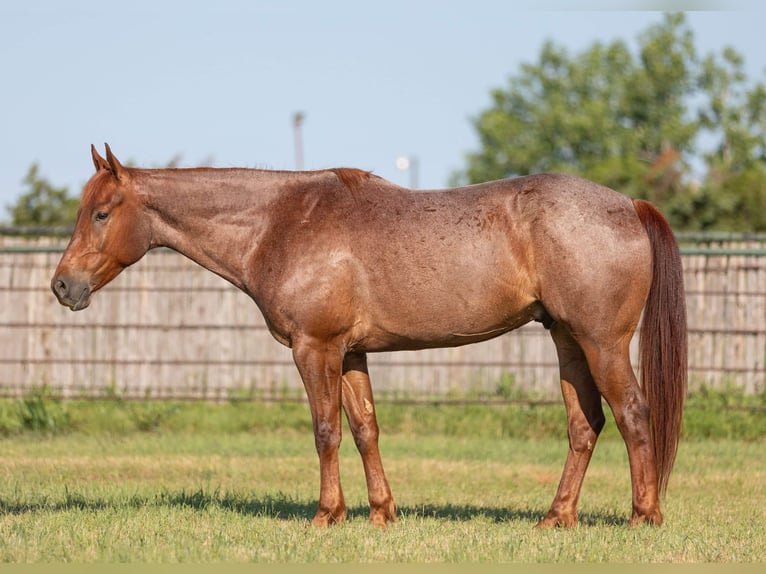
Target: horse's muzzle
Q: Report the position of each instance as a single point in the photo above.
(70, 292)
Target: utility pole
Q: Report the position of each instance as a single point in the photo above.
(298, 139)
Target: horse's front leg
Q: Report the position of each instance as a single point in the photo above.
(319, 363)
(360, 411)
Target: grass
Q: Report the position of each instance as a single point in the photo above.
(163, 482)
(710, 414)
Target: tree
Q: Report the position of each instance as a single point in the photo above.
(43, 204)
(600, 114)
(630, 122)
(733, 193)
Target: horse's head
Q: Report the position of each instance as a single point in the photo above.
(109, 235)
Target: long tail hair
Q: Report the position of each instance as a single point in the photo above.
(663, 347)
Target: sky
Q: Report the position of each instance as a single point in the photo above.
(219, 83)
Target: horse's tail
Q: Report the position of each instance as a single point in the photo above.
(663, 341)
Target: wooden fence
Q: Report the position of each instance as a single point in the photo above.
(167, 328)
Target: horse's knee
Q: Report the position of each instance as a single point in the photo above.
(327, 436)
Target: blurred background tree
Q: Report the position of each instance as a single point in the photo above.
(637, 124)
(42, 204)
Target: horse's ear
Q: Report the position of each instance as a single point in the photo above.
(98, 161)
(119, 172)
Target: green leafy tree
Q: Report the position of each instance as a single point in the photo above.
(633, 122)
(43, 204)
(600, 114)
(733, 193)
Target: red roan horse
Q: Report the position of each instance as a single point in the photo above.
(342, 263)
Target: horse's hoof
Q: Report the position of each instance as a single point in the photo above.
(324, 518)
(653, 518)
(382, 515)
(557, 521)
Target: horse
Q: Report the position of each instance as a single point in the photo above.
(342, 263)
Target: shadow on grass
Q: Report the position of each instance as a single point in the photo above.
(284, 507)
(459, 513)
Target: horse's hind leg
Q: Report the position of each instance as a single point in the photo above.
(615, 379)
(360, 411)
(585, 419)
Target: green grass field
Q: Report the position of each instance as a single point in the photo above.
(161, 482)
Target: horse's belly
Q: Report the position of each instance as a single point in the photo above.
(421, 324)
(470, 292)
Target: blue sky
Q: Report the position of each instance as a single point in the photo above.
(219, 82)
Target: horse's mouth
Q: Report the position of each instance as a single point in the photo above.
(82, 302)
(67, 298)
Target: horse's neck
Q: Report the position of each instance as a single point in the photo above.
(213, 217)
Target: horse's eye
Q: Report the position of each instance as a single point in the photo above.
(101, 216)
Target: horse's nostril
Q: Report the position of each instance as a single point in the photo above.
(60, 288)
